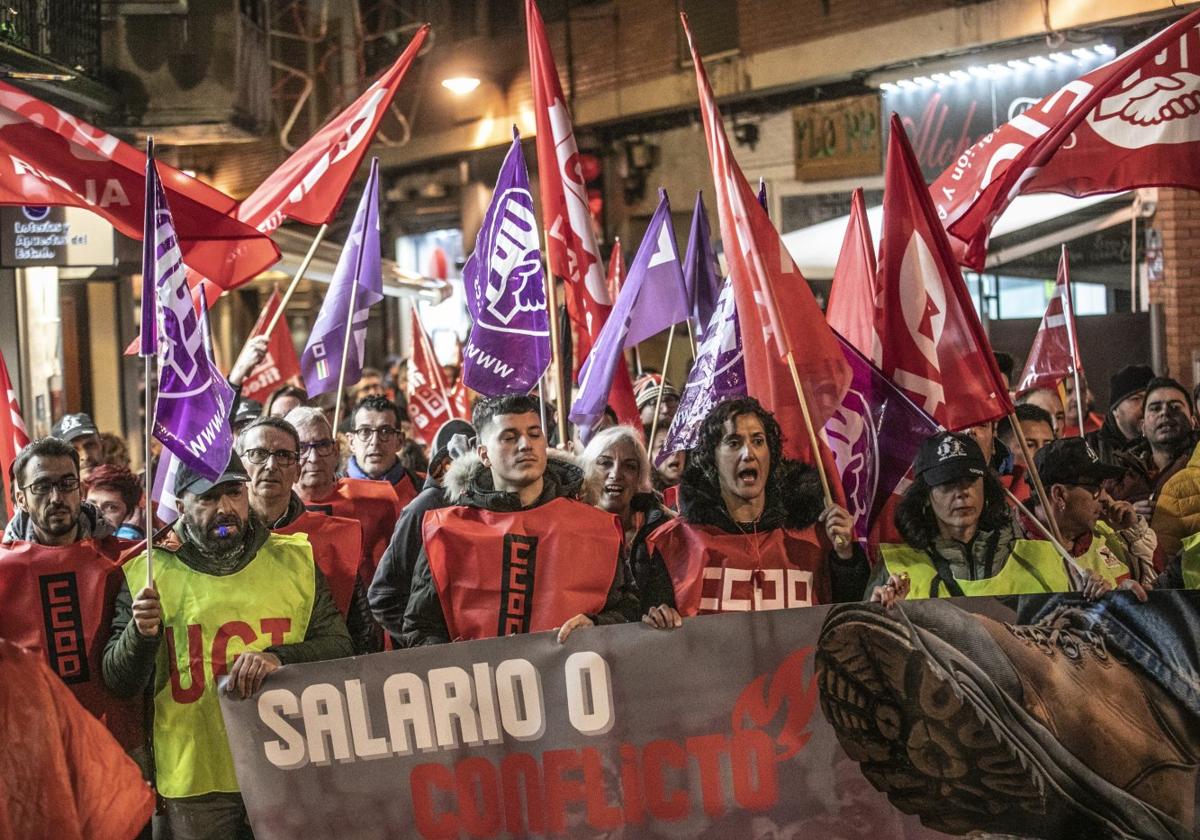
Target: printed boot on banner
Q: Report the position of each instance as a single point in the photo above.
(1036, 730)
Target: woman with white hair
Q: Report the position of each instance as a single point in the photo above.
(616, 465)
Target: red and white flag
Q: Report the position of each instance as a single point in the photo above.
(932, 344)
(429, 402)
(776, 309)
(48, 157)
(851, 309)
(1054, 355)
(13, 436)
(1133, 122)
(280, 364)
(573, 253)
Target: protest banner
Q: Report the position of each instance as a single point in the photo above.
(795, 721)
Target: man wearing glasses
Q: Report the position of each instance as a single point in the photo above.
(375, 443)
(59, 575)
(373, 503)
(270, 450)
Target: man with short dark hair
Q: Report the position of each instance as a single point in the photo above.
(1050, 402)
(516, 551)
(80, 431)
(230, 599)
(1122, 425)
(270, 449)
(59, 575)
(1168, 438)
(375, 443)
(1037, 427)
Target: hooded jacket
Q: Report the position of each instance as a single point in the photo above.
(469, 483)
(1143, 479)
(1108, 440)
(797, 508)
(1177, 509)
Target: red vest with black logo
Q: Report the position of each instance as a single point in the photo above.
(58, 601)
(373, 504)
(714, 571)
(337, 546)
(503, 573)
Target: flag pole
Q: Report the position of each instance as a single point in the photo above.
(1069, 305)
(812, 433)
(151, 220)
(661, 387)
(556, 361)
(1045, 532)
(1038, 487)
(337, 406)
(149, 469)
(637, 360)
(691, 337)
(296, 278)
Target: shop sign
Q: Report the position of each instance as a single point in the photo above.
(838, 139)
(58, 236)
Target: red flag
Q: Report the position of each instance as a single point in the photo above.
(460, 400)
(566, 218)
(930, 335)
(616, 270)
(851, 309)
(310, 185)
(50, 157)
(773, 300)
(429, 404)
(280, 364)
(1054, 355)
(1133, 122)
(13, 436)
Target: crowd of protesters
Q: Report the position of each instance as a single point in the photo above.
(317, 543)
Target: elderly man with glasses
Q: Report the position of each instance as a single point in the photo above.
(59, 576)
(375, 443)
(373, 503)
(270, 451)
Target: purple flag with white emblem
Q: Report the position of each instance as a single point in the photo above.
(191, 414)
(358, 282)
(701, 272)
(509, 346)
(718, 374)
(653, 299)
(874, 436)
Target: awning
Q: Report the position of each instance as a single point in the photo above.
(293, 245)
(815, 248)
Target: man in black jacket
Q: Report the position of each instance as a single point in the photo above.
(516, 551)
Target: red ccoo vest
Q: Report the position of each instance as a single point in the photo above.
(503, 573)
(373, 503)
(714, 571)
(58, 601)
(337, 546)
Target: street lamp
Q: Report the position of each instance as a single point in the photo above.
(461, 85)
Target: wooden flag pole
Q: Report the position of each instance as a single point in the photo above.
(1066, 555)
(637, 360)
(691, 337)
(812, 433)
(1038, 487)
(661, 387)
(1069, 320)
(556, 361)
(149, 467)
(299, 275)
(337, 406)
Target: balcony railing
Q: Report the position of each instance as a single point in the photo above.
(66, 32)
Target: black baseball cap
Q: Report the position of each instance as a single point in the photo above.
(949, 456)
(187, 479)
(72, 426)
(246, 411)
(1072, 461)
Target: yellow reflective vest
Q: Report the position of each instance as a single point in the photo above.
(1112, 565)
(208, 620)
(1033, 566)
(1190, 561)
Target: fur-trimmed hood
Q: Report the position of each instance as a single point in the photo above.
(798, 506)
(469, 482)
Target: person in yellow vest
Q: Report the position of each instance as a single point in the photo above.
(1104, 536)
(959, 536)
(230, 600)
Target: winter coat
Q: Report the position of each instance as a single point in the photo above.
(1177, 510)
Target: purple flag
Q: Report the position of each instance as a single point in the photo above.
(718, 374)
(509, 346)
(653, 299)
(358, 275)
(191, 414)
(874, 436)
(701, 272)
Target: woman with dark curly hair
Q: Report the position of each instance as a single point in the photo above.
(746, 535)
(959, 535)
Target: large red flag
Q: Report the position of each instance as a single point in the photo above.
(851, 309)
(1133, 122)
(773, 300)
(280, 364)
(13, 436)
(48, 156)
(1055, 352)
(429, 402)
(933, 345)
(566, 218)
